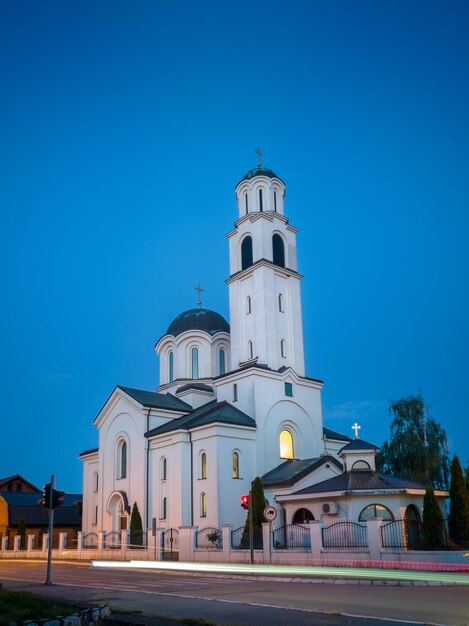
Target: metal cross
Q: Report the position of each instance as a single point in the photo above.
(356, 428)
(259, 154)
(199, 289)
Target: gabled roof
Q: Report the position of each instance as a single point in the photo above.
(293, 470)
(155, 400)
(332, 434)
(29, 506)
(360, 480)
(195, 386)
(4, 481)
(209, 413)
(359, 444)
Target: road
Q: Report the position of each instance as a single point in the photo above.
(242, 601)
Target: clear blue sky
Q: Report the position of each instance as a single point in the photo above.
(125, 127)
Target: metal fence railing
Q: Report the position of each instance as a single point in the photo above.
(209, 538)
(291, 537)
(345, 534)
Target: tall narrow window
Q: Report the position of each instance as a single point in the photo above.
(164, 508)
(164, 468)
(235, 392)
(195, 363)
(250, 352)
(203, 505)
(94, 521)
(203, 465)
(235, 463)
(261, 208)
(122, 459)
(289, 390)
(280, 303)
(171, 367)
(248, 305)
(278, 250)
(246, 202)
(282, 348)
(286, 445)
(221, 356)
(275, 201)
(246, 253)
(95, 482)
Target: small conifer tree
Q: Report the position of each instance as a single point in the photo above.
(433, 526)
(258, 505)
(458, 519)
(136, 526)
(21, 531)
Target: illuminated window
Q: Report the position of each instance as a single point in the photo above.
(221, 357)
(235, 463)
(171, 367)
(203, 465)
(203, 505)
(195, 363)
(286, 445)
(374, 511)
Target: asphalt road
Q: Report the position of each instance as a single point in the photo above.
(242, 601)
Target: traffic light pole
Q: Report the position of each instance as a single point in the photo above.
(251, 529)
(51, 530)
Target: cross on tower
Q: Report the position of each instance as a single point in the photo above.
(356, 428)
(259, 154)
(199, 289)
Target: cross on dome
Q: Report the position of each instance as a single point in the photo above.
(199, 290)
(259, 154)
(356, 428)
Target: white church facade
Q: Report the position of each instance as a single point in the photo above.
(233, 403)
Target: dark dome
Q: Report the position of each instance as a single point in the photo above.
(198, 319)
(259, 171)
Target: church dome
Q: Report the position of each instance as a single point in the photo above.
(198, 319)
(259, 171)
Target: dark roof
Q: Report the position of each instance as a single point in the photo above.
(360, 480)
(153, 399)
(359, 444)
(196, 386)
(209, 413)
(198, 319)
(259, 171)
(293, 470)
(89, 451)
(332, 434)
(29, 507)
(4, 481)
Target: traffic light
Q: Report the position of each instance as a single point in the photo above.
(57, 497)
(245, 502)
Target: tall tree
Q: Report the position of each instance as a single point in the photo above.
(136, 527)
(433, 525)
(417, 448)
(258, 505)
(458, 518)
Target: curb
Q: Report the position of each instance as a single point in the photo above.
(93, 615)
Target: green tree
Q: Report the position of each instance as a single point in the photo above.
(458, 518)
(433, 525)
(417, 448)
(467, 478)
(258, 505)
(21, 531)
(136, 527)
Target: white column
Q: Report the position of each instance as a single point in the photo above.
(30, 543)
(79, 540)
(62, 541)
(45, 542)
(4, 543)
(187, 543)
(16, 543)
(226, 538)
(124, 539)
(266, 541)
(315, 528)
(374, 538)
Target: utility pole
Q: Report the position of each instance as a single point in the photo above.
(51, 529)
(251, 529)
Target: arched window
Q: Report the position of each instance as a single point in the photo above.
(235, 392)
(302, 516)
(248, 305)
(373, 511)
(221, 361)
(250, 350)
(278, 250)
(246, 202)
(280, 303)
(203, 465)
(163, 468)
(203, 505)
(122, 459)
(361, 465)
(286, 445)
(235, 465)
(282, 348)
(195, 363)
(164, 508)
(275, 201)
(261, 208)
(171, 367)
(246, 253)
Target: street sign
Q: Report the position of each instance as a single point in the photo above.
(270, 513)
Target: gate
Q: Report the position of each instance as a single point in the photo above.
(170, 545)
(291, 537)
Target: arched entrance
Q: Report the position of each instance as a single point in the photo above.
(118, 509)
(302, 516)
(412, 527)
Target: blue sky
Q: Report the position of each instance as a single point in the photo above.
(125, 127)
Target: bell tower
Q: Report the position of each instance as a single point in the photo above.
(264, 284)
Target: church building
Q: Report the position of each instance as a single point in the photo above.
(233, 402)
